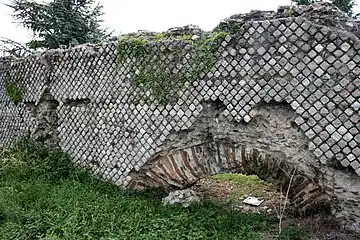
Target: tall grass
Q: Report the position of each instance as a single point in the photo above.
(42, 196)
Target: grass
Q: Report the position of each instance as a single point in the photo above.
(293, 233)
(251, 184)
(250, 180)
(42, 196)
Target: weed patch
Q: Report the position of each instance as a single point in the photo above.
(11, 87)
(158, 78)
(252, 184)
(241, 179)
(42, 196)
(294, 233)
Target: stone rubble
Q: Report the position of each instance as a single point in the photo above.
(184, 197)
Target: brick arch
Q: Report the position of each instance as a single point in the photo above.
(184, 167)
(269, 146)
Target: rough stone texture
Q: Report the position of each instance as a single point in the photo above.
(284, 93)
(184, 197)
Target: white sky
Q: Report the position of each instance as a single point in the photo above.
(124, 16)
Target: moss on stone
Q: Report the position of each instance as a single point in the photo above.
(151, 71)
(131, 47)
(12, 89)
(158, 37)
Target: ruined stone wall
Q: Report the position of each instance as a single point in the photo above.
(264, 93)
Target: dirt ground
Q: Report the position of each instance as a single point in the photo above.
(234, 192)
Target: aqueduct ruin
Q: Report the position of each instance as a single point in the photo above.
(264, 93)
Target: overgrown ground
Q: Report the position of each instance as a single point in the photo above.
(232, 189)
(43, 197)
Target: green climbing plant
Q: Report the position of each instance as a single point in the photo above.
(163, 64)
(131, 47)
(12, 89)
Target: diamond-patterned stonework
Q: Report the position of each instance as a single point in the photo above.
(108, 122)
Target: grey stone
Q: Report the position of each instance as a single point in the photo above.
(185, 198)
(104, 120)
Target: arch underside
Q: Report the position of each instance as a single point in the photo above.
(270, 146)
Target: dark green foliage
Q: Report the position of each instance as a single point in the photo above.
(344, 5)
(30, 160)
(43, 197)
(60, 22)
(294, 233)
(12, 89)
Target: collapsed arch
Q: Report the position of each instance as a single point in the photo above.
(269, 146)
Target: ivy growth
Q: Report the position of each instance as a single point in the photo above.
(163, 64)
(160, 37)
(131, 46)
(12, 89)
(233, 27)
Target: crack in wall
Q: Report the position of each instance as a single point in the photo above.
(76, 102)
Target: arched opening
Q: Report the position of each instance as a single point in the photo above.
(270, 146)
(240, 192)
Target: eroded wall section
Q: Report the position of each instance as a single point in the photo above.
(262, 93)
